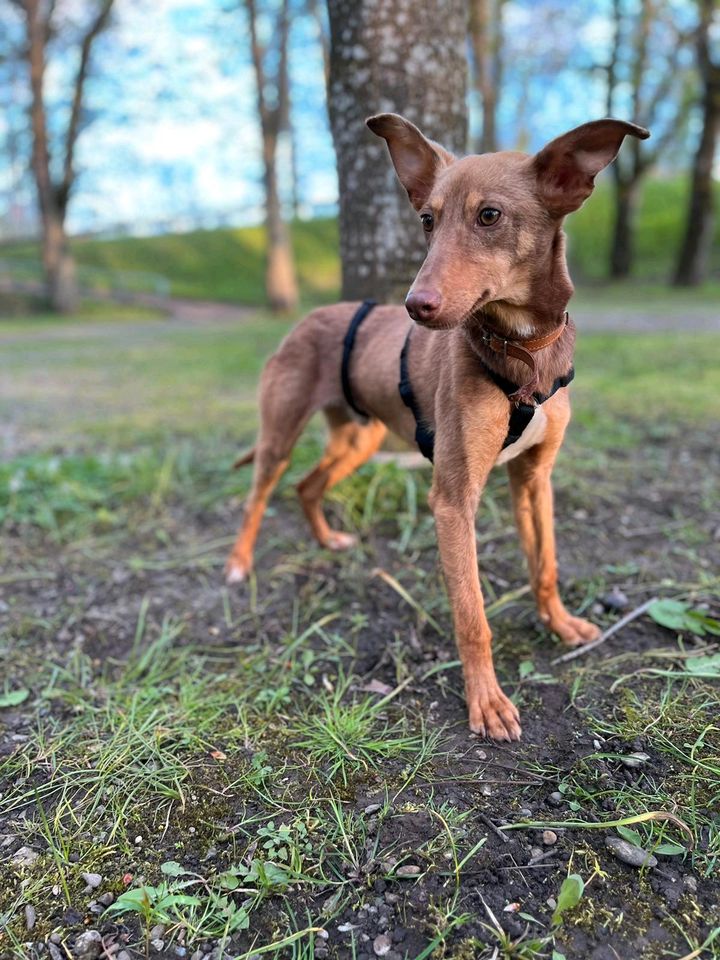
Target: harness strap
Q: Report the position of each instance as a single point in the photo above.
(520, 413)
(424, 436)
(348, 343)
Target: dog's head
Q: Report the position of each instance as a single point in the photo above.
(492, 221)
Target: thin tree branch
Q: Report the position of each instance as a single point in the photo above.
(96, 27)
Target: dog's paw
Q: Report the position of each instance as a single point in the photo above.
(574, 631)
(236, 571)
(339, 540)
(494, 715)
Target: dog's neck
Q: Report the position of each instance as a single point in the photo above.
(544, 311)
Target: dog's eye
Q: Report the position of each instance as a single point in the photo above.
(427, 221)
(488, 216)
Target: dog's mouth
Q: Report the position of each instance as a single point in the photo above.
(475, 311)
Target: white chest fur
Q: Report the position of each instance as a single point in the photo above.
(532, 434)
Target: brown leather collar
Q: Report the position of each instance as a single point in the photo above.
(522, 350)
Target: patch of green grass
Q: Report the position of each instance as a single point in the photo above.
(224, 264)
(659, 231)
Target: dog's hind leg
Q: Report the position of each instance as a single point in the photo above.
(283, 414)
(349, 445)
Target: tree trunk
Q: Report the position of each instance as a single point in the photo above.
(408, 58)
(486, 37)
(700, 224)
(59, 265)
(280, 282)
(622, 250)
(57, 258)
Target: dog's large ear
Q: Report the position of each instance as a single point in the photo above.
(566, 168)
(416, 159)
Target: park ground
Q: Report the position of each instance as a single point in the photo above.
(285, 770)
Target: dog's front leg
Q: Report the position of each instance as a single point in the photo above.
(491, 712)
(532, 497)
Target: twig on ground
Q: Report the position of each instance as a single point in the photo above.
(579, 651)
(491, 826)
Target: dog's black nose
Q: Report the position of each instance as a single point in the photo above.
(423, 305)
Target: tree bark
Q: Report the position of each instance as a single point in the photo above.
(53, 197)
(390, 56)
(623, 247)
(486, 37)
(700, 224)
(652, 102)
(280, 281)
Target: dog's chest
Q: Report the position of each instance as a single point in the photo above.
(533, 433)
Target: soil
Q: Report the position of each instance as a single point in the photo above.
(624, 914)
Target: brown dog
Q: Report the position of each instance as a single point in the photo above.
(489, 356)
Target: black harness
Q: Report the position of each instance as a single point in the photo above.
(520, 414)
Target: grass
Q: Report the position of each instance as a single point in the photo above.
(261, 769)
(227, 264)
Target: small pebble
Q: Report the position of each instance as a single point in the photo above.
(30, 916)
(54, 952)
(88, 946)
(556, 799)
(382, 945)
(636, 759)
(691, 884)
(24, 857)
(158, 945)
(551, 902)
(615, 600)
(392, 898)
(138, 840)
(372, 808)
(549, 837)
(629, 853)
(157, 931)
(106, 899)
(123, 955)
(93, 880)
(55, 938)
(408, 870)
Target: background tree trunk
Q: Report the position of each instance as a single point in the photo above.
(656, 98)
(486, 37)
(627, 195)
(700, 224)
(274, 112)
(54, 195)
(390, 56)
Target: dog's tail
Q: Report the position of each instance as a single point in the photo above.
(244, 459)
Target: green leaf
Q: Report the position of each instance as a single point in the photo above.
(556, 955)
(677, 615)
(669, 849)
(570, 893)
(172, 869)
(631, 836)
(228, 880)
(11, 698)
(137, 900)
(526, 669)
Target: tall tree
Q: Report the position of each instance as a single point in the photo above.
(486, 34)
(700, 224)
(390, 55)
(645, 60)
(55, 181)
(273, 100)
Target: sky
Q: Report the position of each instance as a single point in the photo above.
(174, 140)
